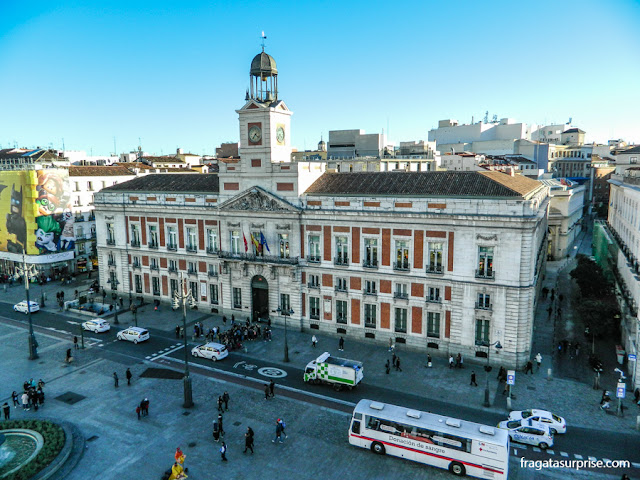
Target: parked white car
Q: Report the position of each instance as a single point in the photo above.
(528, 432)
(555, 423)
(22, 306)
(133, 334)
(213, 351)
(98, 325)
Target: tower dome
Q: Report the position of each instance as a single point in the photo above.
(263, 78)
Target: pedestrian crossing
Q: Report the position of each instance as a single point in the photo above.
(164, 351)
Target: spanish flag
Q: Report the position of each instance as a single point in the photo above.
(255, 243)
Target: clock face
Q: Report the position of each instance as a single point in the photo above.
(280, 134)
(255, 134)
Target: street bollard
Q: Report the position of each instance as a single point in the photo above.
(638, 422)
(509, 403)
(549, 374)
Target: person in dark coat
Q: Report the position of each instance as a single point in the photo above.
(129, 375)
(220, 402)
(266, 392)
(398, 369)
(216, 431)
(248, 440)
(223, 452)
(115, 379)
(225, 399)
(473, 379)
(6, 409)
(272, 387)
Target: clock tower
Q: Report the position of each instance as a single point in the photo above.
(264, 118)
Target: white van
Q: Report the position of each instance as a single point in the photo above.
(213, 351)
(133, 334)
(528, 432)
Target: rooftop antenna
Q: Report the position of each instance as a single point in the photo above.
(264, 37)
(486, 116)
(115, 150)
(63, 144)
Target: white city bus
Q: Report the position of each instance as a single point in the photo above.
(465, 448)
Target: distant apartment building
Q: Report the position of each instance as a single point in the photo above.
(355, 143)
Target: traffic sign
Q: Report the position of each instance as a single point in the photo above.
(632, 357)
(621, 390)
(511, 377)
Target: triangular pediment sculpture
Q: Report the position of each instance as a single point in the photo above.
(258, 200)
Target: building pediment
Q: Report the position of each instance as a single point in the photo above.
(257, 199)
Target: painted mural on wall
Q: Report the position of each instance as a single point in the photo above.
(36, 209)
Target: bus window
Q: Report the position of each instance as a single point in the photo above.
(355, 427)
(373, 423)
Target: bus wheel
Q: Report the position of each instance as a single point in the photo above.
(457, 469)
(377, 447)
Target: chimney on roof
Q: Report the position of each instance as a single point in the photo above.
(512, 171)
(179, 151)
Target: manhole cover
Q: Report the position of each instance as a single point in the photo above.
(162, 373)
(191, 445)
(237, 424)
(186, 414)
(70, 398)
(91, 439)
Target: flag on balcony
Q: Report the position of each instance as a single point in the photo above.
(246, 245)
(263, 241)
(255, 243)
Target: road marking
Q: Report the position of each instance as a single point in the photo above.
(637, 465)
(236, 365)
(73, 323)
(272, 372)
(148, 357)
(166, 353)
(515, 452)
(579, 457)
(606, 460)
(593, 459)
(551, 452)
(536, 449)
(564, 454)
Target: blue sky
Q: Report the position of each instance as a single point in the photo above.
(173, 76)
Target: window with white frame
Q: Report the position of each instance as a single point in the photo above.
(155, 283)
(482, 331)
(314, 280)
(138, 283)
(174, 286)
(153, 236)
(370, 252)
(283, 242)
(191, 267)
(136, 262)
(112, 259)
(111, 234)
(193, 286)
(172, 237)
(213, 293)
(435, 257)
(192, 242)
(402, 255)
(433, 295)
(342, 250)
(370, 315)
(173, 266)
(135, 235)
(341, 311)
(433, 324)
(235, 241)
(485, 262)
(402, 290)
(401, 320)
(314, 308)
(370, 287)
(314, 248)
(237, 297)
(212, 240)
(154, 263)
(341, 284)
(484, 301)
(285, 302)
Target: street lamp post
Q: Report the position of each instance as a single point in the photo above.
(27, 273)
(182, 296)
(285, 313)
(114, 296)
(487, 368)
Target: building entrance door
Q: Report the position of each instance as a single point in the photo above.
(260, 298)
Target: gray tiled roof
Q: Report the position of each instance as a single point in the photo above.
(170, 182)
(432, 184)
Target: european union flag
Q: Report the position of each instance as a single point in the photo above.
(263, 241)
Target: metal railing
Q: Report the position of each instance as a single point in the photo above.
(212, 250)
(341, 261)
(172, 246)
(212, 273)
(401, 295)
(313, 258)
(367, 264)
(485, 273)
(250, 257)
(435, 269)
(191, 248)
(402, 266)
(370, 292)
(153, 245)
(433, 299)
(135, 243)
(484, 306)
(111, 241)
(313, 285)
(155, 267)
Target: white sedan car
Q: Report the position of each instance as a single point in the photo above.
(530, 433)
(98, 325)
(213, 351)
(22, 306)
(133, 334)
(555, 423)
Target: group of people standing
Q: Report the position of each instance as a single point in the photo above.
(32, 396)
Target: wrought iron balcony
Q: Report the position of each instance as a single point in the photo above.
(212, 250)
(313, 285)
(173, 270)
(402, 266)
(172, 246)
(192, 271)
(401, 295)
(437, 269)
(135, 243)
(153, 245)
(111, 241)
(484, 306)
(192, 248)
(434, 299)
(314, 316)
(212, 273)
(373, 264)
(485, 273)
(341, 261)
(137, 265)
(341, 288)
(370, 292)
(250, 257)
(155, 267)
(313, 258)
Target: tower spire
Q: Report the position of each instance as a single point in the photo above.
(264, 37)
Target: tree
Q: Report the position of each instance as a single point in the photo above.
(591, 279)
(600, 316)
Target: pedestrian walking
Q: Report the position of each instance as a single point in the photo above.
(386, 367)
(75, 342)
(177, 331)
(429, 362)
(278, 436)
(145, 407)
(636, 396)
(138, 411)
(115, 379)
(248, 440)
(128, 375)
(314, 340)
(25, 401)
(529, 368)
(216, 431)
(121, 302)
(220, 409)
(450, 361)
(393, 359)
(390, 344)
(68, 358)
(538, 360)
(461, 364)
(14, 397)
(225, 399)
(398, 369)
(473, 379)
(223, 452)
(272, 387)
(61, 305)
(283, 425)
(458, 358)
(341, 344)
(266, 392)
(40, 396)
(6, 409)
